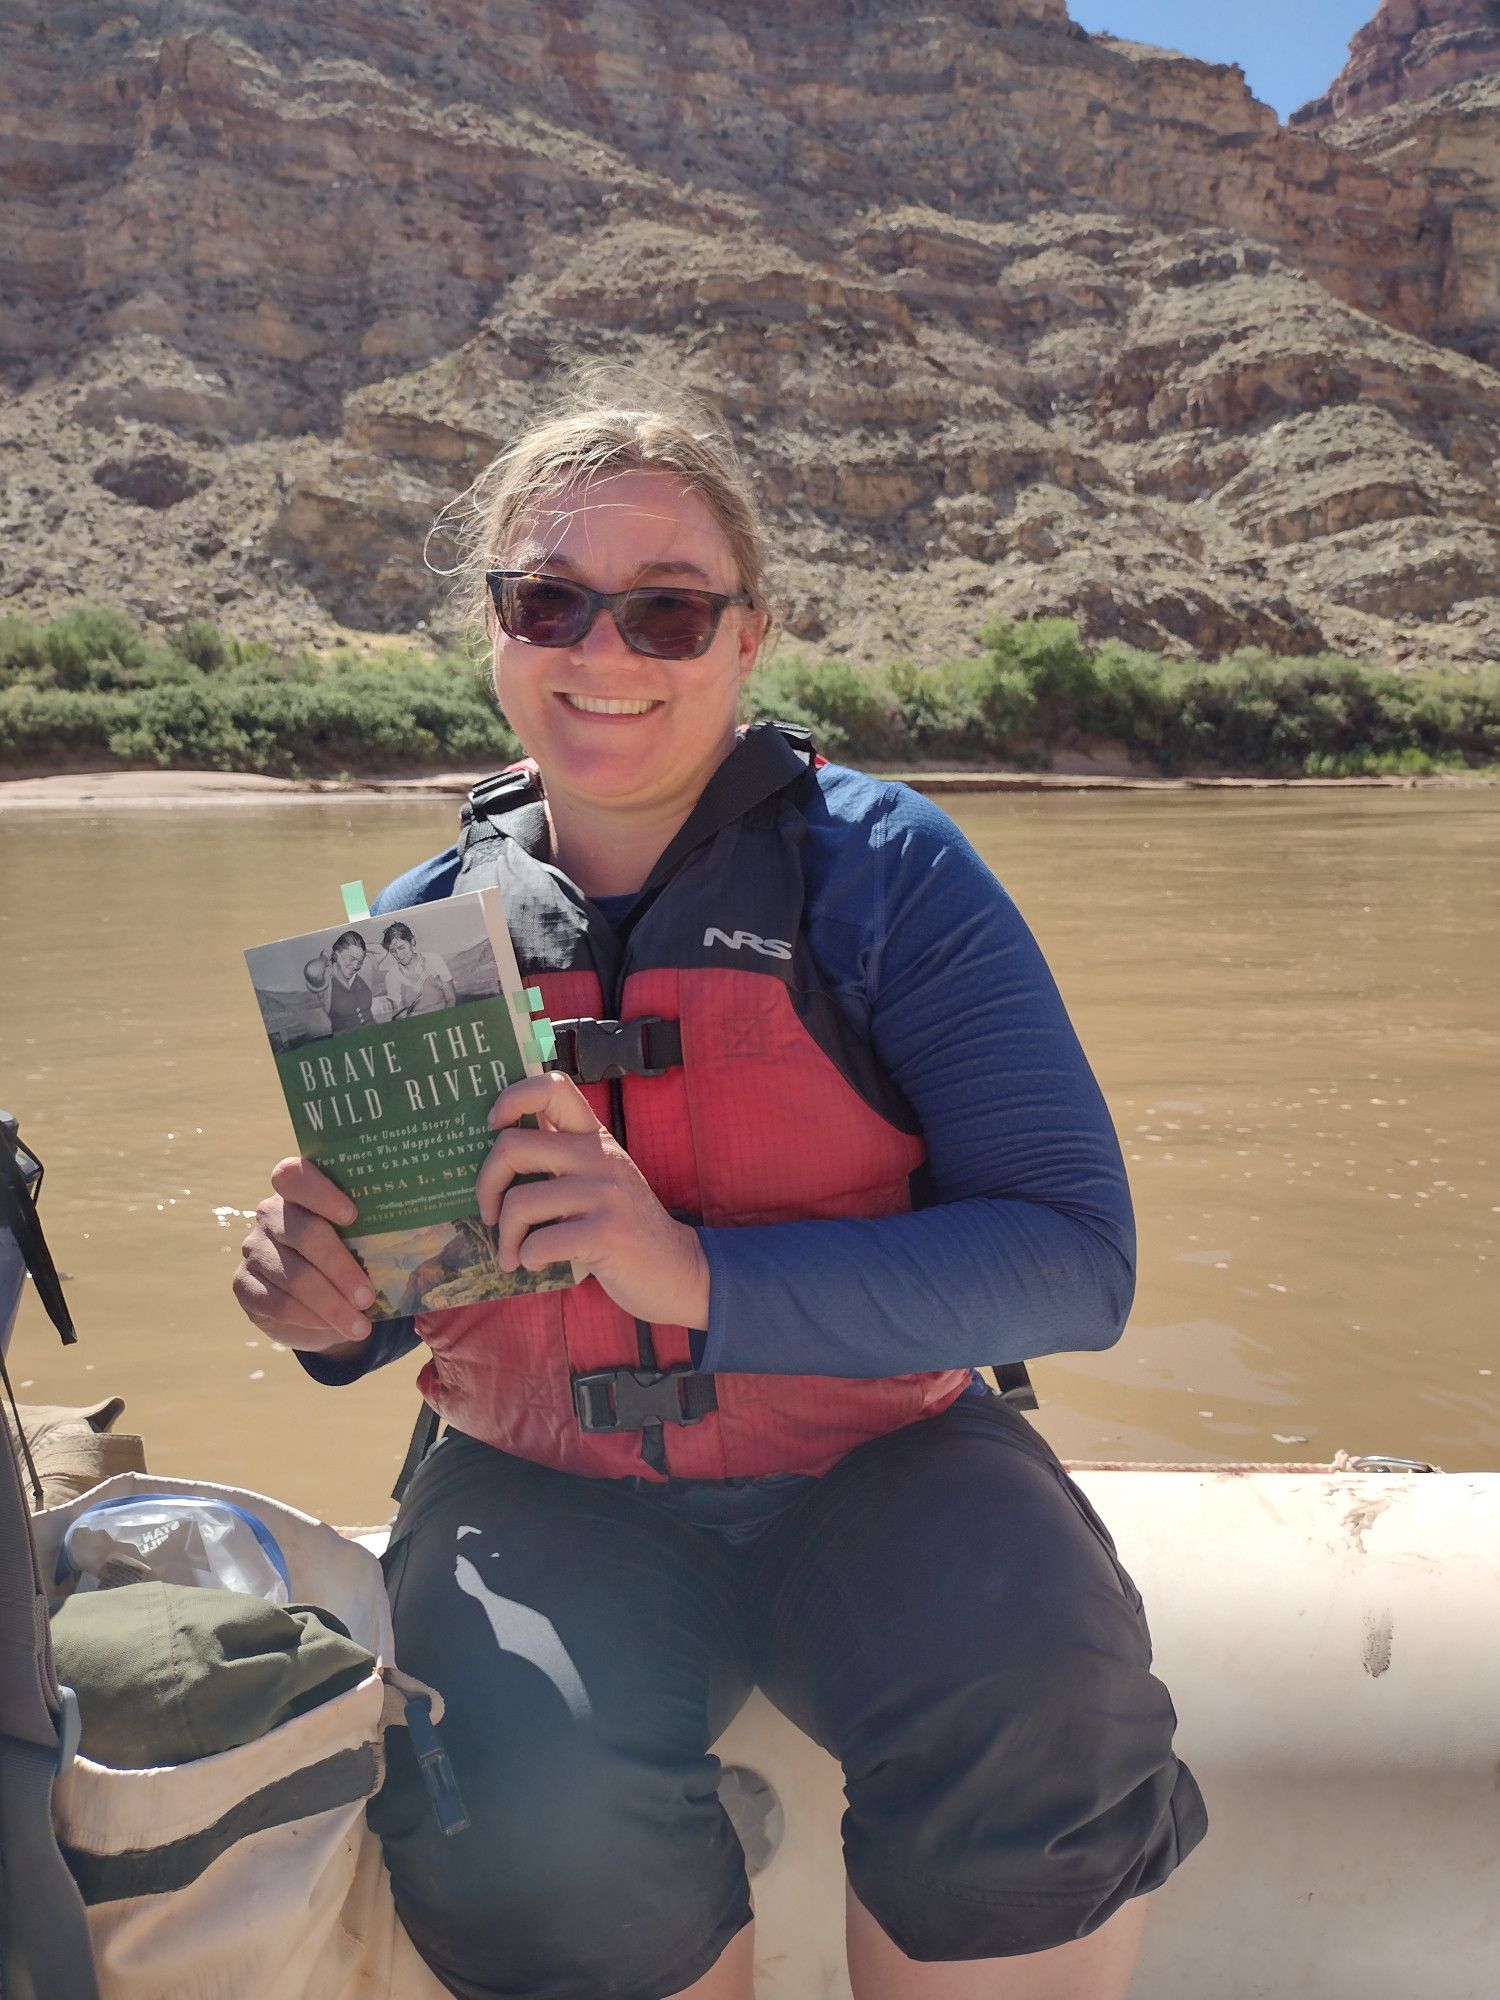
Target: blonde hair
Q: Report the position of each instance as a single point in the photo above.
(597, 425)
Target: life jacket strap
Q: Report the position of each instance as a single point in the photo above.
(632, 1399)
(594, 1051)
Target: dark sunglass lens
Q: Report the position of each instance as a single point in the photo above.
(543, 610)
(668, 624)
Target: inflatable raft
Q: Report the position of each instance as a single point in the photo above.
(1331, 1636)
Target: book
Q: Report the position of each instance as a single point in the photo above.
(393, 1036)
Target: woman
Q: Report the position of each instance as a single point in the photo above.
(338, 983)
(834, 1146)
(416, 982)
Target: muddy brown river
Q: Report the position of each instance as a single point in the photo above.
(1290, 999)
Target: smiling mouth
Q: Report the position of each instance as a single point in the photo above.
(588, 704)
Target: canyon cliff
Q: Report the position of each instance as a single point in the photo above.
(1007, 318)
(1420, 98)
(1410, 50)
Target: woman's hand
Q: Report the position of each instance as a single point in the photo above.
(594, 1208)
(297, 1280)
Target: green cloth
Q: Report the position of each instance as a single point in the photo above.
(165, 1673)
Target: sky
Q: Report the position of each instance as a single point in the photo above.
(1290, 50)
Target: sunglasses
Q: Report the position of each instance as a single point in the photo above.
(659, 620)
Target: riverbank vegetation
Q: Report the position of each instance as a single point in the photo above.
(92, 689)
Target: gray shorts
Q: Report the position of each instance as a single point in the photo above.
(943, 1611)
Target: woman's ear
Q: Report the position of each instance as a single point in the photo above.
(751, 637)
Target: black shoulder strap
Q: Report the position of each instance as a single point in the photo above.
(512, 803)
(503, 791)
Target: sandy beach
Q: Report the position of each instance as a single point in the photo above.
(116, 789)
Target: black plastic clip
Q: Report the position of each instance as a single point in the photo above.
(594, 1051)
(630, 1399)
(437, 1772)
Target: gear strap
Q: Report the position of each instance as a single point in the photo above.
(45, 1952)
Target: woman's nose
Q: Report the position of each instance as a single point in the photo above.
(602, 642)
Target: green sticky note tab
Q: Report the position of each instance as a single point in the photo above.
(530, 1050)
(520, 1003)
(533, 997)
(544, 1038)
(355, 903)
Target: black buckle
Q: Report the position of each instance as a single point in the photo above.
(1015, 1386)
(595, 1051)
(503, 790)
(628, 1399)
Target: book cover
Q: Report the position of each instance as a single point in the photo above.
(393, 1036)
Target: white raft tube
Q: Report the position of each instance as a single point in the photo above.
(1331, 1639)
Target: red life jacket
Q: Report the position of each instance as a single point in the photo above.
(703, 1035)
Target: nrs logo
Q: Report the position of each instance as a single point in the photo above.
(767, 947)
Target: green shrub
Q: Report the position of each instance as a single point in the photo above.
(22, 654)
(181, 726)
(939, 707)
(94, 647)
(851, 713)
(91, 687)
(46, 725)
(203, 646)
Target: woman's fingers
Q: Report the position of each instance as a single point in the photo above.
(306, 1186)
(538, 1202)
(289, 1299)
(527, 1150)
(324, 1251)
(564, 1242)
(554, 1099)
(566, 1138)
(297, 1279)
(593, 1209)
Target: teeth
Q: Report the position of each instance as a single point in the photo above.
(591, 705)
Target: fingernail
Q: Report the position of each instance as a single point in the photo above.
(359, 1329)
(364, 1297)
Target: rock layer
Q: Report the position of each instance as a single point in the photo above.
(1007, 318)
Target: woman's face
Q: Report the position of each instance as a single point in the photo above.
(348, 959)
(608, 726)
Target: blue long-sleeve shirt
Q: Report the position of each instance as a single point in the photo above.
(1028, 1245)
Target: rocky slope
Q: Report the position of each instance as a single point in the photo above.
(1008, 318)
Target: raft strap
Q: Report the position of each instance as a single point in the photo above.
(44, 1937)
(1013, 1383)
(631, 1399)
